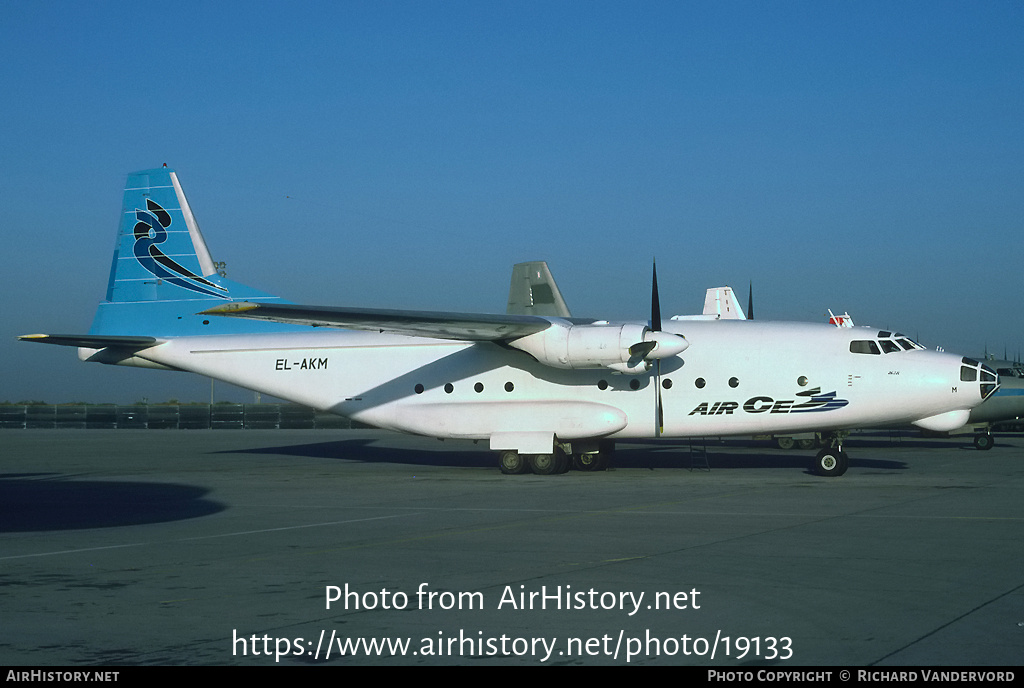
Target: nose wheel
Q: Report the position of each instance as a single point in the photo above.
(831, 462)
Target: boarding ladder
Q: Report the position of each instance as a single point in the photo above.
(699, 454)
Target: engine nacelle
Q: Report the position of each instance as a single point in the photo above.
(578, 347)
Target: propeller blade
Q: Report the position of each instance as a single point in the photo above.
(655, 301)
(655, 327)
(660, 428)
(641, 349)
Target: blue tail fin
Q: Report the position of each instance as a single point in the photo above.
(162, 273)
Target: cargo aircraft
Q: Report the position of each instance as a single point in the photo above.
(542, 390)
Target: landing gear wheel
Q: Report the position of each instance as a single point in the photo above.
(830, 463)
(984, 441)
(785, 442)
(549, 464)
(512, 463)
(596, 461)
(564, 461)
(805, 444)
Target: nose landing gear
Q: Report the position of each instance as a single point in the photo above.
(831, 462)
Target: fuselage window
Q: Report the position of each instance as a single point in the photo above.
(968, 374)
(864, 346)
(700, 383)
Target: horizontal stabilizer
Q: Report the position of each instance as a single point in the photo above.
(91, 341)
(437, 325)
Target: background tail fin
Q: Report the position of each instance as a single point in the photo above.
(721, 303)
(533, 291)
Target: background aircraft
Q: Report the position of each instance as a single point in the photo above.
(1006, 404)
(533, 291)
(538, 388)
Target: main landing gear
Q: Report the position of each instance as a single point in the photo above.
(831, 462)
(559, 461)
(801, 443)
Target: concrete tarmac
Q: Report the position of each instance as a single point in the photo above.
(223, 547)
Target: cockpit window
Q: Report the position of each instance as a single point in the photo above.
(889, 343)
(864, 346)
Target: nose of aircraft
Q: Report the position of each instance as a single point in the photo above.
(973, 371)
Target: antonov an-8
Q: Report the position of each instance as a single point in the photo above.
(538, 388)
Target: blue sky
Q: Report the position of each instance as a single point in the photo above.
(861, 156)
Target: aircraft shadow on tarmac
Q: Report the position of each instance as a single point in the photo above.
(650, 455)
(33, 502)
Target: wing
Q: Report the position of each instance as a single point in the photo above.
(438, 325)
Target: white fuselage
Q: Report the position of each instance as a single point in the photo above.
(735, 378)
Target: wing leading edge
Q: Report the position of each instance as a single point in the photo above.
(437, 325)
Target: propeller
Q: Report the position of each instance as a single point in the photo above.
(655, 346)
(656, 327)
